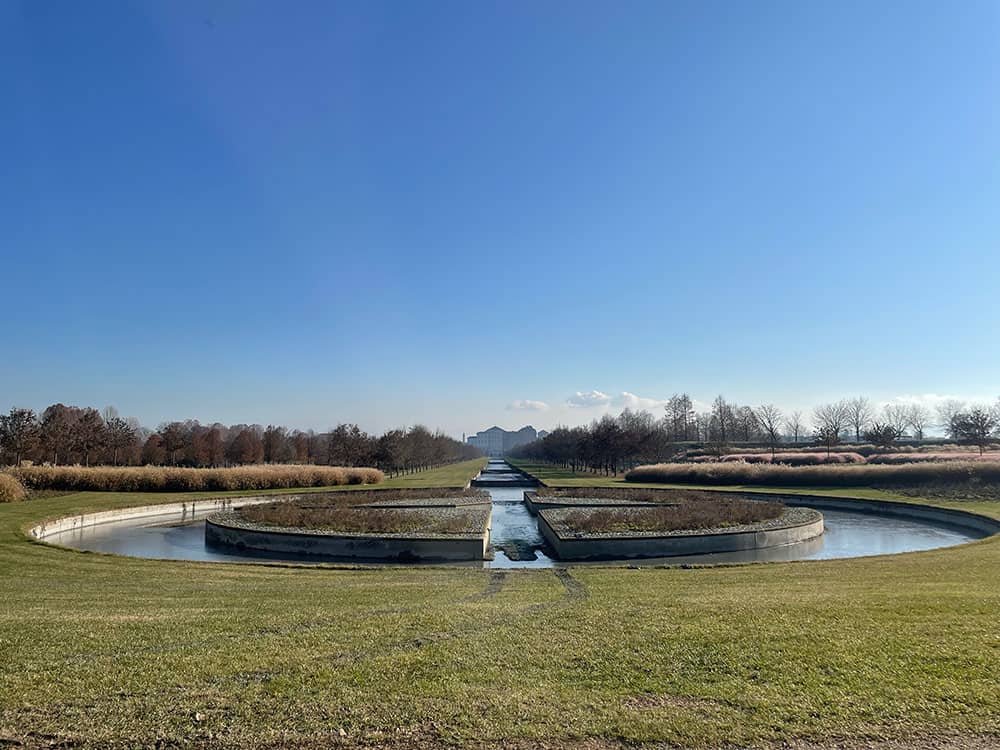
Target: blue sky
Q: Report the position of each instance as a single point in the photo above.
(439, 212)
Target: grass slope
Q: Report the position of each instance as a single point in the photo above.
(99, 650)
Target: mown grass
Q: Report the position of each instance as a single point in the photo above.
(101, 650)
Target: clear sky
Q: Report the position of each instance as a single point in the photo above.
(466, 213)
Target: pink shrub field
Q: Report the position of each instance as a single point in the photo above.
(827, 475)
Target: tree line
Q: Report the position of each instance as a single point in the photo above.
(75, 435)
(613, 443)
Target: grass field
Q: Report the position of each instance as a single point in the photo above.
(98, 650)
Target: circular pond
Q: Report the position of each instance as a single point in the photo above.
(518, 543)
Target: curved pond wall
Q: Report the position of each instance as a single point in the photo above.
(189, 509)
(961, 519)
(674, 545)
(401, 548)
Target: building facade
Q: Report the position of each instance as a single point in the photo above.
(497, 442)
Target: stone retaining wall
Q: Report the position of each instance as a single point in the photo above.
(349, 546)
(624, 547)
(188, 510)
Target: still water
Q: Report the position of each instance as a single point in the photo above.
(518, 543)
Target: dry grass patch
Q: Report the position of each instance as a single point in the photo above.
(175, 479)
(11, 490)
(366, 520)
(778, 475)
(789, 458)
(434, 511)
(716, 513)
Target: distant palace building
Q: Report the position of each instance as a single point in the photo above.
(496, 442)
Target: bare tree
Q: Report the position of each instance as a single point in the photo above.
(859, 415)
(834, 416)
(830, 421)
(898, 416)
(769, 417)
(721, 423)
(795, 426)
(681, 417)
(748, 429)
(946, 413)
(919, 420)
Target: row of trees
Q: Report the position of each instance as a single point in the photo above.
(975, 424)
(611, 443)
(82, 435)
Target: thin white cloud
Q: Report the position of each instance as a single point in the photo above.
(626, 400)
(526, 404)
(933, 400)
(584, 400)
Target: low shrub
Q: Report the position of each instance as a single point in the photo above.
(863, 449)
(781, 475)
(172, 479)
(793, 458)
(11, 490)
(344, 514)
(615, 493)
(950, 455)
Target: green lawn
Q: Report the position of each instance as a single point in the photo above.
(451, 475)
(100, 650)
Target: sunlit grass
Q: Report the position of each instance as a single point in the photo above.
(101, 650)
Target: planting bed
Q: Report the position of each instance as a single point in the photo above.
(397, 526)
(610, 527)
(555, 497)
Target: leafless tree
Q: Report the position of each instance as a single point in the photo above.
(795, 426)
(946, 413)
(919, 418)
(769, 417)
(748, 429)
(681, 417)
(898, 416)
(721, 423)
(859, 415)
(833, 417)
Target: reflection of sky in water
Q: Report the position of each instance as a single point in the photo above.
(847, 535)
